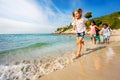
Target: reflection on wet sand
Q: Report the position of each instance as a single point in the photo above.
(108, 57)
(98, 63)
(101, 65)
(109, 54)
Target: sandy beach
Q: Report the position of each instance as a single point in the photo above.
(99, 62)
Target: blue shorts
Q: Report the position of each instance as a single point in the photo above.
(80, 34)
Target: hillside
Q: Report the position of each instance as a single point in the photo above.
(112, 19)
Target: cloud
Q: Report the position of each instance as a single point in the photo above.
(29, 16)
(13, 26)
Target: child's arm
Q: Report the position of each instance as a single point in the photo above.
(97, 27)
(74, 27)
(110, 30)
(85, 21)
(101, 32)
(88, 29)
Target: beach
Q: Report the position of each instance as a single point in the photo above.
(59, 40)
(30, 56)
(101, 63)
(54, 60)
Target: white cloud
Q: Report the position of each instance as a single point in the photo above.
(26, 16)
(13, 26)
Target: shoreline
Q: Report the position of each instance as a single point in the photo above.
(100, 58)
(37, 69)
(114, 32)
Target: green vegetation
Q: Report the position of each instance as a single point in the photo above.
(63, 29)
(112, 19)
(88, 15)
(97, 21)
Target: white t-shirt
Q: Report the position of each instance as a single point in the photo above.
(106, 31)
(80, 25)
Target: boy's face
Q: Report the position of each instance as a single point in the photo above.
(104, 26)
(77, 15)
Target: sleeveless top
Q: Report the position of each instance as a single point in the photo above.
(92, 29)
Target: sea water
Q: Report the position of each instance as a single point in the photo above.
(16, 47)
(30, 56)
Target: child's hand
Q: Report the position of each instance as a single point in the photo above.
(100, 32)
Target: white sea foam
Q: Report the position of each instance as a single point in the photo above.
(32, 70)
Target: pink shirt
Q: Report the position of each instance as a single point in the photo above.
(92, 29)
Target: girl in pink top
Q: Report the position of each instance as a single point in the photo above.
(93, 28)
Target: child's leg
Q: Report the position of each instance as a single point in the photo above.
(79, 40)
(94, 40)
(107, 41)
(104, 37)
(99, 39)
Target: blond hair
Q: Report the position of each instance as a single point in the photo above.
(77, 10)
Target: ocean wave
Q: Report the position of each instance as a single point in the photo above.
(36, 45)
(34, 69)
(32, 46)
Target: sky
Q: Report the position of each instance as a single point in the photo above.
(44, 16)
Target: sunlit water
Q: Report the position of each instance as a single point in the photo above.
(17, 47)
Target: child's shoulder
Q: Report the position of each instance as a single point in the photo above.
(102, 29)
(83, 19)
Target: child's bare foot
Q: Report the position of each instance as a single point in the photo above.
(77, 56)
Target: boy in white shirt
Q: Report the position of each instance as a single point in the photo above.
(106, 33)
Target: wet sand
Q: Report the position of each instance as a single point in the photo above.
(101, 63)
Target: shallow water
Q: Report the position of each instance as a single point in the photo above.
(17, 47)
(30, 56)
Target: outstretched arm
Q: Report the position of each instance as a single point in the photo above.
(97, 27)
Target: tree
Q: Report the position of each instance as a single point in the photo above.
(70, 26)
(98, 22)
(88, 15)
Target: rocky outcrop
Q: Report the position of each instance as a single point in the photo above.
(70, 31)
(64, 30)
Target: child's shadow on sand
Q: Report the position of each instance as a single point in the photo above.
(89, 50)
